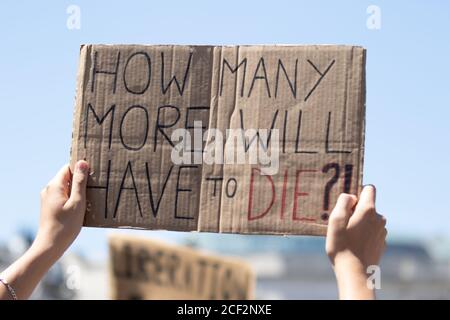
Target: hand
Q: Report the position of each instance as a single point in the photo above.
(355, 240)
(63, 204)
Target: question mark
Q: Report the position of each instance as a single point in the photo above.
(348, 172)
(348, 177)
(329, 186)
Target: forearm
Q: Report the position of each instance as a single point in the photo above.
(25, 274)
(61, 220)
(352, 281)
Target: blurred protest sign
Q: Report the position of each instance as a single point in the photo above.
(238, 139)
(141, 268)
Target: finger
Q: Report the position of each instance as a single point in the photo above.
(343, 209)
(366, 200)
(61, 179)
(79, 181)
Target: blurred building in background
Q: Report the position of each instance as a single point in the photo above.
(286, 268)
(298, 268)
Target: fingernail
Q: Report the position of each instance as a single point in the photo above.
(82, 167)
(370, 185)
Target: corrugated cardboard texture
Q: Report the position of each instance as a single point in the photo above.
(130, 98)
(141, 268)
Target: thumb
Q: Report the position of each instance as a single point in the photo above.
(342, 211)
(79, 181)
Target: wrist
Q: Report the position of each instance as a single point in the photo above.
(346, 262)
(351, 276)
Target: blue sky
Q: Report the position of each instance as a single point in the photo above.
(408, 88)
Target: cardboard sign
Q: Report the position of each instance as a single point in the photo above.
(141, 268)
(298, 110)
